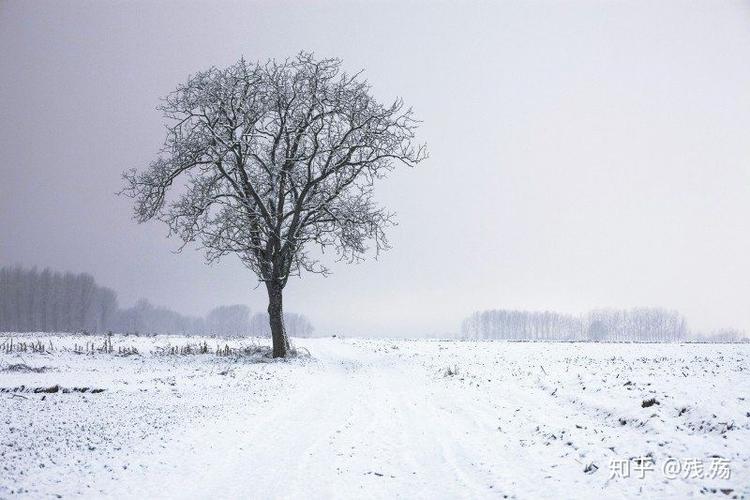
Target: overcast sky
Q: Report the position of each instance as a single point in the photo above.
(583, 154)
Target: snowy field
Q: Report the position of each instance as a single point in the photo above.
(372, 418)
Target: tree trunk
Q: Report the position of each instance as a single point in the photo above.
(276, 319)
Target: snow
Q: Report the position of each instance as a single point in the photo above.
(372, 418)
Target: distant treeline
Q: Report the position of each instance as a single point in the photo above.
(639, 324)
(49, 301)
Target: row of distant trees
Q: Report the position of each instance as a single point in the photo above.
(49, 301)
(643, 324)
(228, 321)
(503, 324)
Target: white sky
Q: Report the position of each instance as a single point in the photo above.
(583, 154)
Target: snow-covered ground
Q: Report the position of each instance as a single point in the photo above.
(374, 418)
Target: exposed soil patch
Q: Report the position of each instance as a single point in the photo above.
(24, 368)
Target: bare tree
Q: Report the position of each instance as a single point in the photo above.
(276, 158)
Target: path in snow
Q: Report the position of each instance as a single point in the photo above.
(362, 424)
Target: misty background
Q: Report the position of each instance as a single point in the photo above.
(584, 155)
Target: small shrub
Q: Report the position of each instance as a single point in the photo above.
(450, 371)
